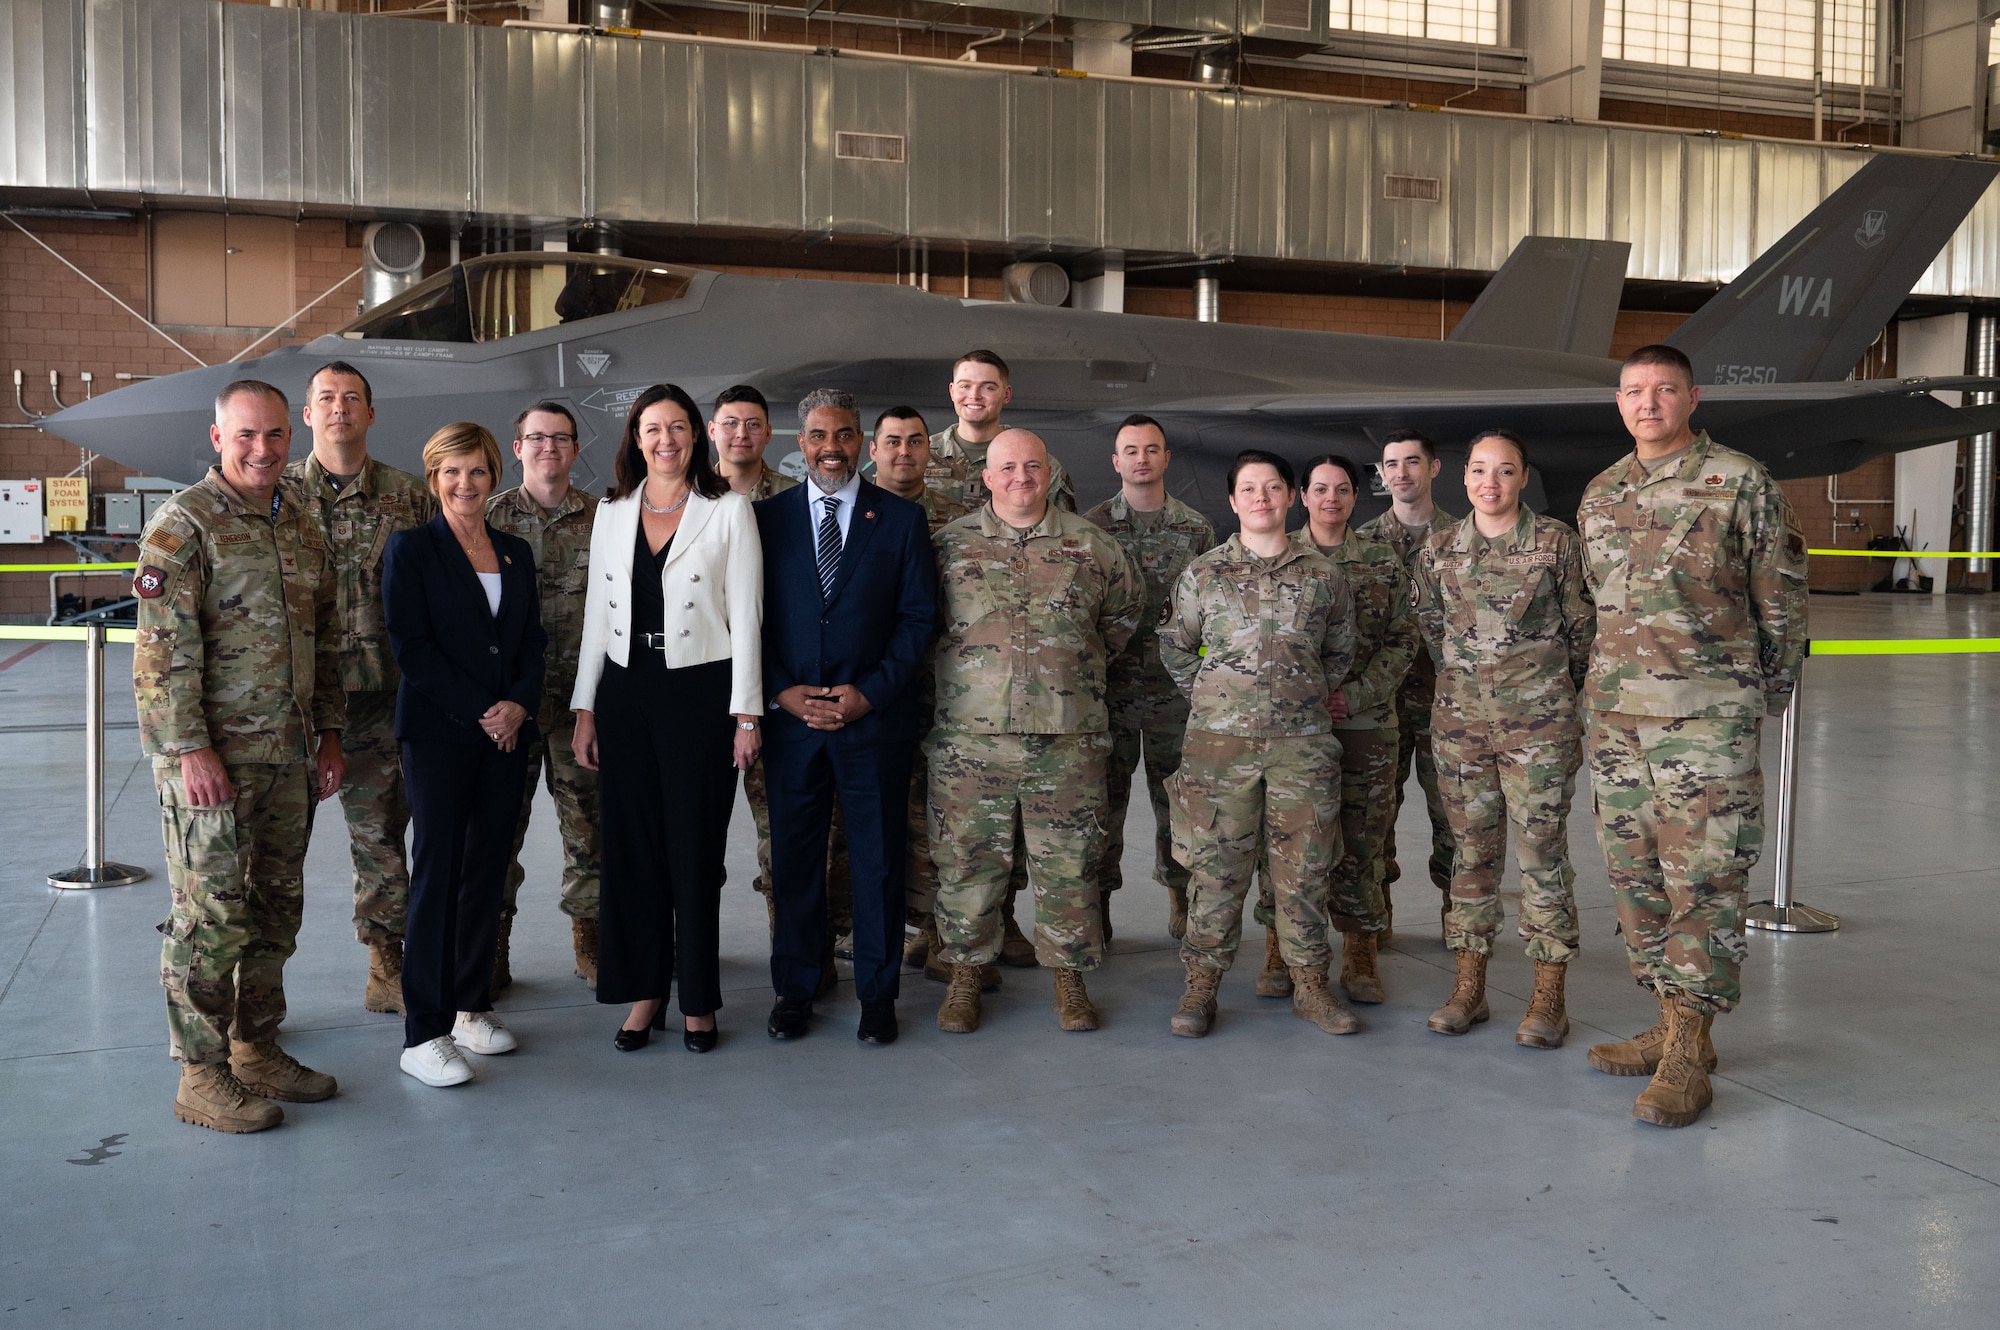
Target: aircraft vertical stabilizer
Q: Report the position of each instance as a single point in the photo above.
(1551, 294)
(1807, 308)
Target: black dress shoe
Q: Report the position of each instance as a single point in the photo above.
(700, 1041)
(878, 1022)
(631, 1041)
(789, 1019)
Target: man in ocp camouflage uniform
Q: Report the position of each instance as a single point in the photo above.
(980, 390)
(1699, 569)
(358, 503)
(901, 451)
(1159, 534)
(555, 518)
(1034, 602)
(1409, 465)
(235, 670)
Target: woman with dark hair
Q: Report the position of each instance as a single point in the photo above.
(1261, 632)
(1363, 709)
(1510, 620)
(669, 689)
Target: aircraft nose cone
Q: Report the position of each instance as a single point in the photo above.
(157, 426)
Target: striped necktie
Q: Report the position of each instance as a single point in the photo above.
(829, 546)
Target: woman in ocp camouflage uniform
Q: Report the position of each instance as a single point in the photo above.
(1509, 618)
(1260, 633)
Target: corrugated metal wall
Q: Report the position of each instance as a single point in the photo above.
(202, 100)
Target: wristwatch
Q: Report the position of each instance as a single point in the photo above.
(746, 725)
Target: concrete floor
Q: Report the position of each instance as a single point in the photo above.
(1849, 1174)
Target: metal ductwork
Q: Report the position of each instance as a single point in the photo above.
(1207, 296)
(1979, 451)
(609, 13)
(1035, 283)
(392, 261)
(1216, 64)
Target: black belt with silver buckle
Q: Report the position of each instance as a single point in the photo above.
(653, 641)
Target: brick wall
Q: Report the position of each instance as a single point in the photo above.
(51, 319)
(1729, 120)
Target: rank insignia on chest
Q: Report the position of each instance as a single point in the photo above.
(149, 583)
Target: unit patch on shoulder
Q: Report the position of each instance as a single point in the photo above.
(166, 542)
(149, 583)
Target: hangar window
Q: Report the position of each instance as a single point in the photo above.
(1438, 20)
(502, 295)
(1773, 38)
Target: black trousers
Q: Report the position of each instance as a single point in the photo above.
(665, 790)
(801, 773)
(464, 802)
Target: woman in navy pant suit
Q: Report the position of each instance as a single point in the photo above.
(465, 624)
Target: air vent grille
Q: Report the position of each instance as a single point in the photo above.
(1417, 188)
(868, 147)
(1288, 14)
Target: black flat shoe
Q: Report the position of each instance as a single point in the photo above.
(700, 1041)
(789, 1019)
(878, 1022)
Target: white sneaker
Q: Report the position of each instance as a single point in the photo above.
(482, 1032)
(437, 1063)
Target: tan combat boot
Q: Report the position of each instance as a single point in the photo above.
(1197, 1009)
(583, 941)
(1274, 980)
(1015, 948)
(1177, 912)
(960, 1012)
(1074, 1009)
(211, 1096)
(270, 1071)
(938, 970)
(918, 946)
(1680, 1088)
(1313, 1001)
(1640, 1055)
(384, 992)
(1466, 1007)
(1547, 1021)
(1358, 977)
(503, 972)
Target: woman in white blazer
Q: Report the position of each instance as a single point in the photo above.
(669, 690)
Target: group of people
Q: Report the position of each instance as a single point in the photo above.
(939, 687)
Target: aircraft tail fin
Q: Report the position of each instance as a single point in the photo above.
(1552, 294)
(1807, 308)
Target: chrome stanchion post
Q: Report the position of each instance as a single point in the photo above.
(94, 871)
(1781, 914)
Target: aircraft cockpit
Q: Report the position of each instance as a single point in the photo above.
(504, 295)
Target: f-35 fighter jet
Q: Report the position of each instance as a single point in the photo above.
(1771, 352)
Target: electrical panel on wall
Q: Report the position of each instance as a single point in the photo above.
(21, 512)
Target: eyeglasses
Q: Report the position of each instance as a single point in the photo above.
(556, 441)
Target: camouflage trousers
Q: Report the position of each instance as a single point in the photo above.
(1487, 784)
(1155, 742)
(1367, 800)
(1234, 795)
(1680, 814)
(574, 790)
(378, 815)
(998, 799)
(1413, 749)
(237, 879)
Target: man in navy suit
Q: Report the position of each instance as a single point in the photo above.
(850, 606)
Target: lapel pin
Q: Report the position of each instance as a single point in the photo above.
(870, 514)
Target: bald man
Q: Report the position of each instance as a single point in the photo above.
(1034, 602)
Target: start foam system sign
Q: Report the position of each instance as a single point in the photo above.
(68, 503)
